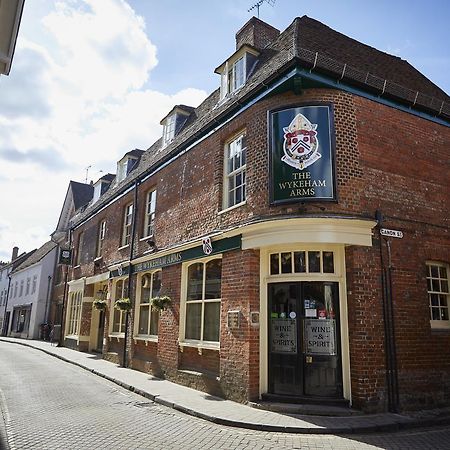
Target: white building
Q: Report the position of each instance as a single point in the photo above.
(5, 269)
(29, 293)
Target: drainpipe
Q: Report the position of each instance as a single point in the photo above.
(47, 299)
(133, 237)
(5, 328)
(388, 316)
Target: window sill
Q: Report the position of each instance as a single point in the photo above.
(440, 327)
(146, 339)
(116, 336)
(232, 207)
(146, 238)
(76, 267)
(98, 258)
(199, 345)
(123, 247)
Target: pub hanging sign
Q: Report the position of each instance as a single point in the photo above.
(301, 153)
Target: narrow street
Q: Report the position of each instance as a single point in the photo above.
(49, 404)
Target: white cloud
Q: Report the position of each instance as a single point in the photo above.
(75, 98)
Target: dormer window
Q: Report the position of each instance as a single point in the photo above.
(101, 186)
(169, 129)
(127, 163)
(174, 122)
(236, 70)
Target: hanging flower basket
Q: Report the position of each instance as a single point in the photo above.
(100, 304)
(123, 304)
(161, 303)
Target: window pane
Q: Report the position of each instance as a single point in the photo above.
(428, 284)
(154, 319)
(443, 272)
(125, 289)
(116, 321)
(231, 200)
(444, 286)
(145, 291)
(434, 271)
(444, 314)
(314, 261)
(193, 320)
(213, 279)
(435, 285)
(286, 262)
(119, 286)
(195, 282)
(434, 300)
(212, 322)
(443, 300)
(274, 268)
(238, 195)
(122, 324)
(143, 319)
(156, 286)
(435, 314)
(299, 262)
(328, 262)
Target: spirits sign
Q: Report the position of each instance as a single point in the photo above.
(320, 337)
(283, 336)
(302, 153)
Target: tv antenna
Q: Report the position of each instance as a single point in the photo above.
(87, 172)
(258, 4)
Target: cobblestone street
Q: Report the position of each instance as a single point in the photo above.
(49, 404)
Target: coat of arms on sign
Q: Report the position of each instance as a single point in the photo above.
(300, 143)
(207, 246)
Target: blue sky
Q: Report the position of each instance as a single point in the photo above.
(91, 80)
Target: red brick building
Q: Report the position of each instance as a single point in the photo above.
(288, 239)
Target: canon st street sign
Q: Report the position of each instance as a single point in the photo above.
(391, 233)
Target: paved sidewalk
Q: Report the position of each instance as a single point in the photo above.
(226, 412)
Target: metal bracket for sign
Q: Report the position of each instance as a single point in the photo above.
(391, 233)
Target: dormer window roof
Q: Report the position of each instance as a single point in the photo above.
(174, 121)
(236, 69)
(127, 163)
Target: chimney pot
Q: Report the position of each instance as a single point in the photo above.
(15, 252)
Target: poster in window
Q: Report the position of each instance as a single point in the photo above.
(302, 154)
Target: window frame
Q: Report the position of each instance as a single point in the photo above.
(73, 320)
(101, 233)
(152, 310)
(200, 343)
(150, 214)
(122, 314)
(169, 129)
(127, 227)
(235, 172)
(79, 247)
(438, 323)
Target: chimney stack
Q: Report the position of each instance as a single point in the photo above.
(15, 252)
(256, 33)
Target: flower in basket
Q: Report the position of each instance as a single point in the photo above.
(123, 304)
(100, 304)
(161, 303)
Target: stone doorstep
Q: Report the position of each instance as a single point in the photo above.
(294, 409)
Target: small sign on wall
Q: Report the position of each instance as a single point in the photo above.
(233, 319)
